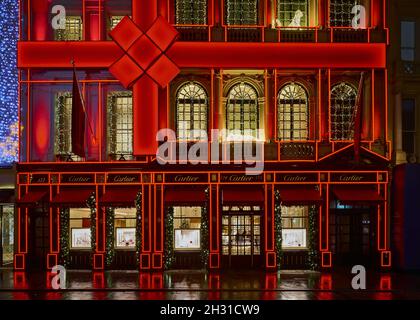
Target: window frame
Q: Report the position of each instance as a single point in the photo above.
(365, 3)
(115, 231)
(204, 22)
(75, 228)
(183, 217)
(280, 23)
(406, 131)
(305, 220)
(259, 20)
(63, 35)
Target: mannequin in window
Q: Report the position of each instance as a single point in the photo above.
(296, 21)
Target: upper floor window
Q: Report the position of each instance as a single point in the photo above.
(191, 112)
(408, 40)
(191, 12)
(242, 112)
(120, 125)
(241, 12)
(341, 12)
(73, 30)
(343, 105)
(293, 112)
(409, 126)
(293, 13)
(114, 20)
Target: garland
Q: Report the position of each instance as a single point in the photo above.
(278, 230)
(138, 204)
(64, 236)
(169, 251)
(205, 233)
(91, 203)
(313, 239)
(109, 225)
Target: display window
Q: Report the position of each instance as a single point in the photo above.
(125, 228)
(187, 224)
(80, 228)
(294, 227)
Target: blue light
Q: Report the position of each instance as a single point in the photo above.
(9, 26)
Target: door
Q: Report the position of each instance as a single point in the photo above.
(354, 237)
(38, 239)
(241, 237)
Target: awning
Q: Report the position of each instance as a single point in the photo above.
(184, 196)
(294, 196)
(358, 194)
(242, 196)
(32, 198)
(119, 197)
(72, 197)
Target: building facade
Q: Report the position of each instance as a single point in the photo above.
(301, 85)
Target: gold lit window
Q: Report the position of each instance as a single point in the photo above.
(293, 113)
(241, 12)
(72, 31)
(191, 12)
(125, 228)
(191, 112)
(294, 227)
(80, 228)
(120, 125)
(114, 21)
(341, 12)
(343, 107)
(293, 13)
(187, 228)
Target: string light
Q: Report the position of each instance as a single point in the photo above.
(9, 26)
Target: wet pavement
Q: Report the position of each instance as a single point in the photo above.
(201, 285)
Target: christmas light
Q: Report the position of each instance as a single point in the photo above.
(9, 26)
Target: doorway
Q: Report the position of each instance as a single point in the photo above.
(241, 237)
(353, 236)
(38, 246)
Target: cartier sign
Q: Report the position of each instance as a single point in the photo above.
(353, 177)
(296, 177)
(77, 178)
(123, 178)
(240, 178)
(186, 178)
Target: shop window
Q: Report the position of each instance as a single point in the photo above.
(187, 225)
(191, 12)
(409, 126)
(80, 229)
(125, 228)
(293, 13)
(294, 227)
(242, 113)
(7, 213)
(241, 12)
(343, 106)
(293, 113)
(120, 125)
(63, 142)
(72, 31)
(341, 12)
(191, 112)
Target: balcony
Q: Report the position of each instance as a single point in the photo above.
(297, 151)
(193, 33)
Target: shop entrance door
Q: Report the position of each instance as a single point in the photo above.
(353, 236)
(241, 237)
(38, 239)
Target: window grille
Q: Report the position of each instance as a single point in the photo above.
(343, 105)
(191, 112)
(120, 124)
(241, 12)
(293, 13)
(293, 113)
(341, 12)
(242, 112)
(191, 12)
(73, 30)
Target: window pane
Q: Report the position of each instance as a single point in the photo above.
(409, 116)
(73, 30)
(341, 12)
(191, 11)
(293, 13)
(241, 12)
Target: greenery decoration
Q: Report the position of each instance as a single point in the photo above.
(138, 204)
(64, 236)
(313, 239)
(91, 203)
(205, 233)
(278, 229)
(169, 247)
(109, 243)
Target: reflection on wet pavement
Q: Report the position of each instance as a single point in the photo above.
(201, 285)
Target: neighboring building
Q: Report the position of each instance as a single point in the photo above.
(284, 74)
(404, 66)
(7, 215)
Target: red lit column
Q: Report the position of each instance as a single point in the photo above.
(377, 10)
(323, 13)
(22, 234)
(39, 26)
(269, 248)
(214, 229)
(94, 14)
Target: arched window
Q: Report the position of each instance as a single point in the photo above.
(191, 112)
(293, 13)
(242, 112)
(343, 103)
(341, 12)
(241, 12)
(293, 112)
(191, 12)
